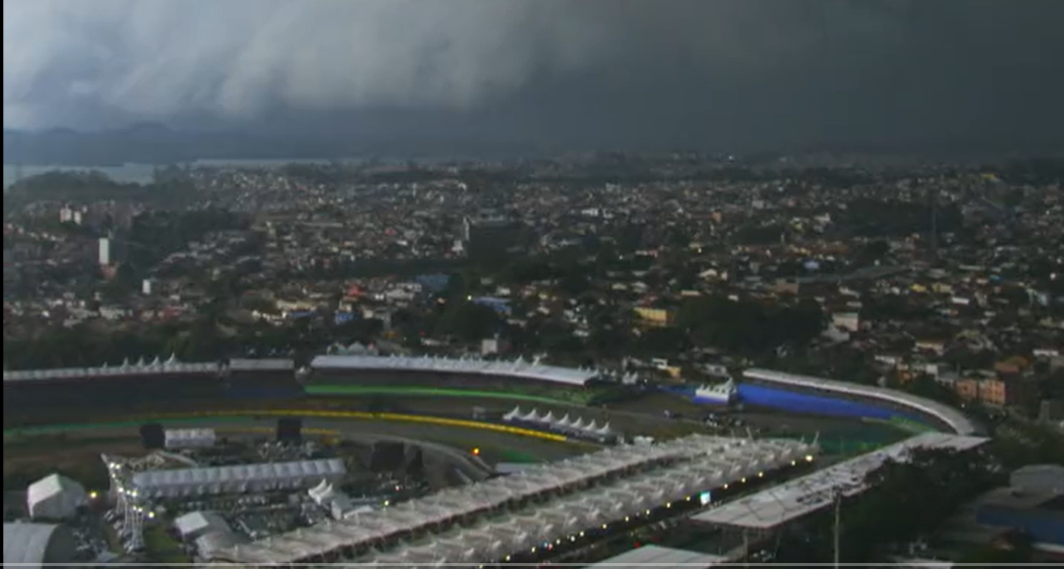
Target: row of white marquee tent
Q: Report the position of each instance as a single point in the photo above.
(565, 423)
(473, 365)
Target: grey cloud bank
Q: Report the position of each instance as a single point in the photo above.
(742, 71)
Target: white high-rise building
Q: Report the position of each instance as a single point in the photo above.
(105, 250)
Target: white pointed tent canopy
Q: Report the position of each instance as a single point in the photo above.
(513, 414)
(518, 369)
(567, 423)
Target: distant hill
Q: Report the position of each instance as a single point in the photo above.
(158, 144)
(387, 136)
(146, 143)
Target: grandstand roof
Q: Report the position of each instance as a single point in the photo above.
(792, 500)
(235, 479)
(519, 368)
(657, 555)
(156, 367)
(952, 417)
(673, 471)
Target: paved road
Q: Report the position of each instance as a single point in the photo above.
(461, 459)
(450, 443)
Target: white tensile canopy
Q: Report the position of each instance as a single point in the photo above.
(609, 484)
(55, 497)
(241, 479)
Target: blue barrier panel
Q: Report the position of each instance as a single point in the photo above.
(1043, 525)
(763, 396)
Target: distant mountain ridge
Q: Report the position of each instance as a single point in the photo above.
(406, 137)
(144, 143)
(159, 144)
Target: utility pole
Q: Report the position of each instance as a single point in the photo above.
(838, 523)
(746, 548)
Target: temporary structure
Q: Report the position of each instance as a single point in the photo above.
(55, 498)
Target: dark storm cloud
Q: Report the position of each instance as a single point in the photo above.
(745, 71)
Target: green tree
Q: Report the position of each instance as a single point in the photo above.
(468, 321)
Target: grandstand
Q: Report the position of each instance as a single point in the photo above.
(518, 369)
(534, 511)
(775, 507)
(937, 413)
(156, 368)
(521, 377)
(252, 368)
(35, 396)
(240, 479)
(266, 378)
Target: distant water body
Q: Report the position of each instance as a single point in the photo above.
(141, 173)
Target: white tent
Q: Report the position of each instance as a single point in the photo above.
(189, 438)
(55, 498)
(513, 415)
(38, 545)
(193, 526)
(321, 493)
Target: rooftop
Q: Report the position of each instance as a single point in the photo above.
(656, 555)
(141, 368)
(954, 418)
(583, 496)
(802, 496)
(518, 368)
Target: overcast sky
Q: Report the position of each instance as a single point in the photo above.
(767, 73)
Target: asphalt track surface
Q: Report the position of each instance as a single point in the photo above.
(451, 439)
(305, 414)
(465, 462)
